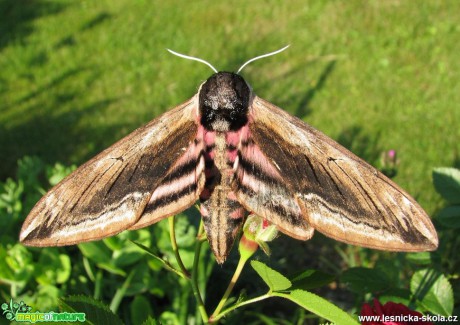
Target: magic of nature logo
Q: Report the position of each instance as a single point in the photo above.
(20, 312)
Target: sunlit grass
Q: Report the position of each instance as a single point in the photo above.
(376, 75)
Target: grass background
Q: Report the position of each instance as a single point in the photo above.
(375, 75)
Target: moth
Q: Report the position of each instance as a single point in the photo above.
(233, 152)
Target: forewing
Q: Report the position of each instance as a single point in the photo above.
(109, 193)
(340, 195)
(261, 188)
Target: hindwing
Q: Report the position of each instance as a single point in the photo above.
(337, 193)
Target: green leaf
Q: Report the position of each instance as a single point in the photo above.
(185, 232)
(111, 268)
(169, 317)
(29, 169)
(163, 262)
(364, 280)
(96, 312)
(150, 321)
(52, 267)
(434, 291)
(447, 183)
(311, 279)
(318, 306)
(6, 273)
(140, 310)
(397, 295)
(185, 237)
(57, 173)
(101, 255)
(96, 251)
(450, 217)
(275, 280)
(10, 197)
(18, 263)
(63, 272)
(421, 258)
(114, 242)
(128, 254)
(121, 241)
(142, 280)
(147, 250)
(47, 297)
(121, 292)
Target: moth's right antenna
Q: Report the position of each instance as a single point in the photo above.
(260, 57)
(193, 58)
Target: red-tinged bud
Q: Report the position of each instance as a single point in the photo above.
(247, 247)
(257, 232)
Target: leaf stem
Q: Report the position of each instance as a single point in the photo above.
(172, 235)
(116, 300)
(243, 259)
(194, 278)
(98, 285)
(165, 263)
(239, 304)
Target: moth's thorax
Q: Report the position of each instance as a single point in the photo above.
(224, 101)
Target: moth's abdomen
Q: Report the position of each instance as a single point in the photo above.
(222, 217)
(222, 213)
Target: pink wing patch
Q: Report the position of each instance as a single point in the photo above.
(181, 186)
(260, 188)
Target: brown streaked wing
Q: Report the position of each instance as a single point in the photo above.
(108, 194)
(340, 195)
(181, 186)
(260, 187)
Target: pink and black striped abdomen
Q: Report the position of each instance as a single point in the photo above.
(222, 213)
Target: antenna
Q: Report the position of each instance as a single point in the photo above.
(215, 70)
(193, 58)
(260, 57)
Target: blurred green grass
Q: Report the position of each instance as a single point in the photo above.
(375, 75)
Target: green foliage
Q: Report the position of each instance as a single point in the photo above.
(96, 312)
(140, 310)
(434, 292)
(275, 281)
(445, 285)
(311, 279)
(319, 306)
(447, 183)
(76, 76)
(127, 274)
(44, 270)
(41, 276)
(450, 216)
(279, 286)
(362, 280)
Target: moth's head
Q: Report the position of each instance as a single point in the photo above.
(224, 97)
(224, 101)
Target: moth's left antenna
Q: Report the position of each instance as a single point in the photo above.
(261, 56)
(193, 58)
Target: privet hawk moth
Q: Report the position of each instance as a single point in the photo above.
(234, 152)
